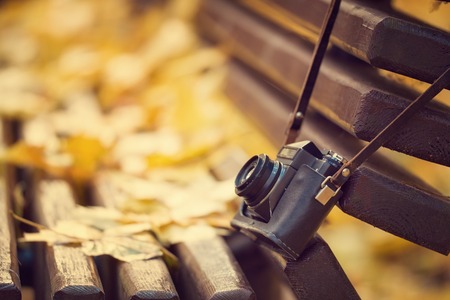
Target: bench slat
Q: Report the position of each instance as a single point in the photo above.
(209, 271)
(149, 279)
(398, 202)
(146, 280)
(400, 209)
(316, 274)
(71, 274)
(10, 285)
(9, 268)
(227, 282)
(382, 38)
(347, 92)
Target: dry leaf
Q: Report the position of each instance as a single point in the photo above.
(100, 231)
(126, 249)
(87, 154)
(24, 155)
(22, 94)
(48, 236)
(176, 234)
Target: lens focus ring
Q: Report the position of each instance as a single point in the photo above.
(256, 178)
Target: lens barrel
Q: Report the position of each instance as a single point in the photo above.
(256, 178)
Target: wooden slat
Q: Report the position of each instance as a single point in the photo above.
(72, 274)
(378, 193)
(147, 279)
(9, 268)
(347, 92)
(209, 271)
(398, 208)
(10, 283)
(10, 130)
(267, 280)
(227, 282)
(384, 39)
(316, 274)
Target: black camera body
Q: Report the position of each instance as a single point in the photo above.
(286, 200)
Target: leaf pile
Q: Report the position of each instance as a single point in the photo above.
(124, 100)
(127, 242)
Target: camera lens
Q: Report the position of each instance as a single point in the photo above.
(256, 178)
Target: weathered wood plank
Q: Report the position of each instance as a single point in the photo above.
(10, 131)
(9, 267)
(227, 282)
(385, 39)
(398, 202)
(264, 279)
(347, 92)
(267, 279)
(398, 208)
(71, 274)
(10, 282)
(316, 274)
(209, 271)
(147, 279)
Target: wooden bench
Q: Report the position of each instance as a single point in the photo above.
(62, 272)
(351, 103)
(369, 30)
(9, 267)
(208, 270)
(348, 92)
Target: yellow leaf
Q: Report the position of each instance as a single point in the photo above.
(23, 154)
(21, 94)
(194, 63)
(176, 234)
(127, 230)
(187, 155)
(149, 210)
(48, 236)
(87, 154)
(122, 248)
(195, 151)
(97, 216)
(76, 230)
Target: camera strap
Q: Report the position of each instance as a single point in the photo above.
(332, 184)
(298, 115)
(342, 175)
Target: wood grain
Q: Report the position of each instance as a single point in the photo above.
(316, 274)
(209, 271)
(226, 282)
(381, 37)
(379, 193)
(9, 268)
(71, 274)
(148, 279)
(399, 208)
(347, 92)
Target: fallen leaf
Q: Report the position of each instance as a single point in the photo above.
(176, 234)
(125, 249)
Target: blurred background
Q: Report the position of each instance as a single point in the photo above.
(131, 86)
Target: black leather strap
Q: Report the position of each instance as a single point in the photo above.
(342, 175)
(308, 86)
(388, 132)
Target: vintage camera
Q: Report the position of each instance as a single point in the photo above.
(286, 200)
